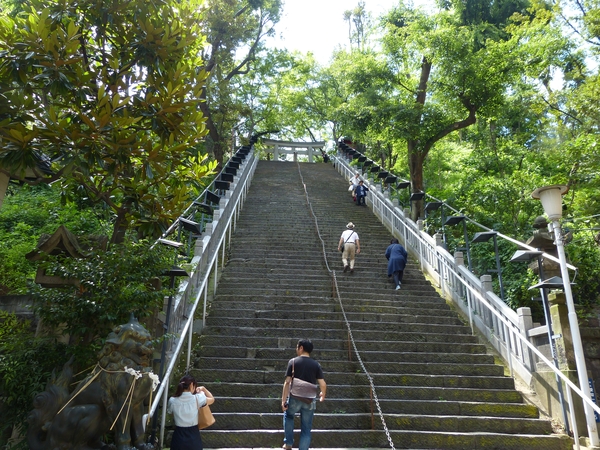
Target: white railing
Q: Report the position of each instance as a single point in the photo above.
(209, 255)
(504, 328)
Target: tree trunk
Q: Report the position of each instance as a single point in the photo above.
(120, 226)
(416, 156)
(213, 132)
(416, 160)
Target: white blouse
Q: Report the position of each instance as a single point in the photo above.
(185, 408)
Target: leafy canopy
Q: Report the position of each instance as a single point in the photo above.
(107, 94)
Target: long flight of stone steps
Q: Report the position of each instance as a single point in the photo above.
(436, 386)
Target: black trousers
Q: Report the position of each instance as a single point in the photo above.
(398, 274)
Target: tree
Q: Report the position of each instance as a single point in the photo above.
(449, 69)
(235, 30)
(26, 364)
(107, 290)
(108, 96)
(305, 96)
(359, 22)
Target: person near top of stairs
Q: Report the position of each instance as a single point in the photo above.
(349, 245)
(396, 256)
(361, 193)
(354, 183)
(300, 394)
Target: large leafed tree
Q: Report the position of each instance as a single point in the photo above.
(106, 95)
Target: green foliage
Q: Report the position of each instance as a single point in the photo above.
(108, 96)
(26, 363)
(28, 213)
(583, 253)
(236, 30)
(110, 286)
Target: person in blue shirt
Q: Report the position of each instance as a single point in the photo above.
(361, 192)
(396, 256)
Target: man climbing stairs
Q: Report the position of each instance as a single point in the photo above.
(434, 383)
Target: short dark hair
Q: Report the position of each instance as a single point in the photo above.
(394, 241)
(306, 345)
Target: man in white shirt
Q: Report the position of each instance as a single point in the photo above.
(350, 244)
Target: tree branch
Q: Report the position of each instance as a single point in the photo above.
(250, 55)
(455, 126)
(556, 108)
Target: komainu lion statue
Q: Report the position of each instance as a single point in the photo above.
(110, 398)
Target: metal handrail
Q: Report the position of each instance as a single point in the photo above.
(485, 310)
(195, 288)
(468, 219)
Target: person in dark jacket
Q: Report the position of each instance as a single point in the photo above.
(396, 256)
(361, 192)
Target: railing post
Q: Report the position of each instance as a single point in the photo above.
(459, 260)
(422, 256)
(486, 286)
(565, 353)
(526, 324)
(439, 242)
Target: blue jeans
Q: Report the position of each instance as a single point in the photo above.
(307, 411)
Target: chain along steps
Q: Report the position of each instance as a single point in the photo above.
(436, 386)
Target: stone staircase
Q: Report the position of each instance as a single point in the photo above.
(436, 386)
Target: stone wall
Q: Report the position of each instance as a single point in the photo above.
(18, 304)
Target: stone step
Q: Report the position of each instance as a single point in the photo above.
(343, 378)
(287, 273)
(378, 439)
(257, 390)
(430, 328)
(419, 333)
(218, 362)
(327, 303)
(327, 355)
(401, 315)
(405, 346)
(399, 406)
(325, 289)
(261, 303)
(365, 421)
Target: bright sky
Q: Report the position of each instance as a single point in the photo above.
(318, 25)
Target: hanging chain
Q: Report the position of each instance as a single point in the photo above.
(337, 293)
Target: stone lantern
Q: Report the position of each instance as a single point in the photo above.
(543, 240)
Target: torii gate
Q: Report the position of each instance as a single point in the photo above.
(304, 148)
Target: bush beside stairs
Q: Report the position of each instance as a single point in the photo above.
(435, 384)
